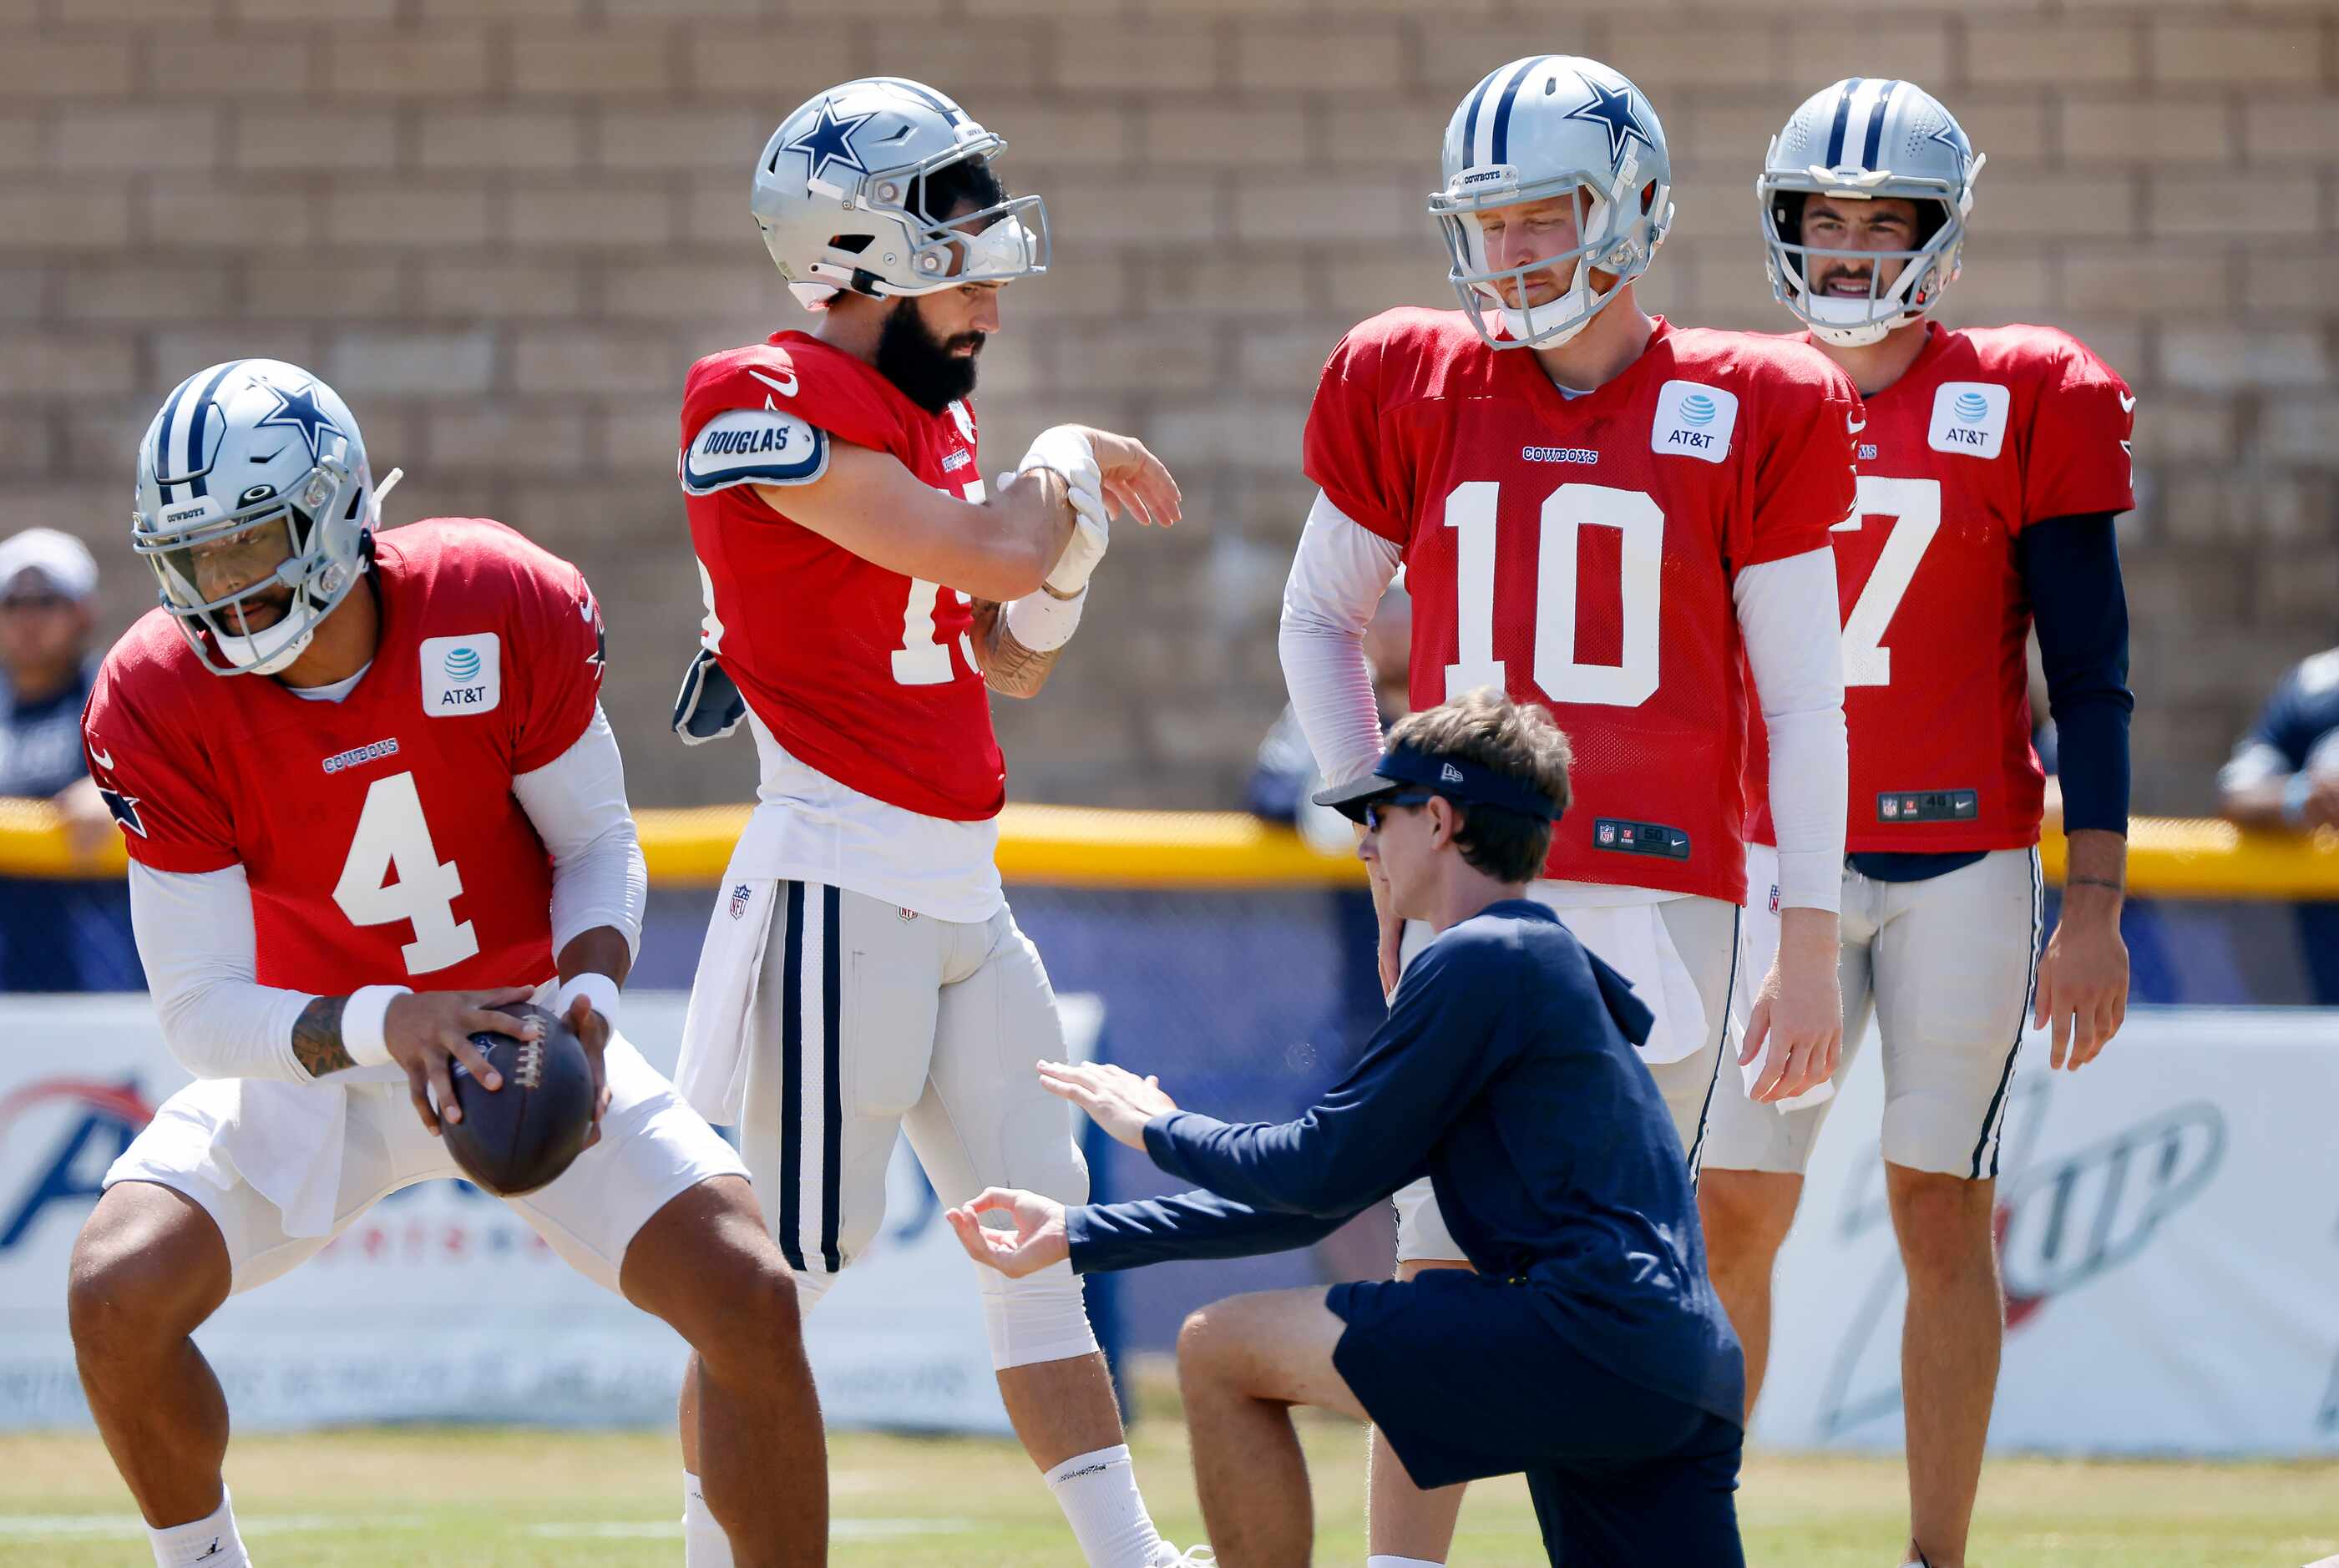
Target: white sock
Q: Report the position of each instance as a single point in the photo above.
(1383, 1560)
(1098, 1493)
(704, 1543)
(211, 1542)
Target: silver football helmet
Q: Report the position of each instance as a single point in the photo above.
(252, 479)
(1553, 125)
(1862, 139)
(840, 195)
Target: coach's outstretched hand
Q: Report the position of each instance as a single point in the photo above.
(1115, 1098)
(1037, 1241)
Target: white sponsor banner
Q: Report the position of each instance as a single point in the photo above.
(441, 1303)
(2168, 1222)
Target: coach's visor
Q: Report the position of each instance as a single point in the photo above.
(1456, 778)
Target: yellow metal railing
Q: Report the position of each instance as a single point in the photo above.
(1079, 846)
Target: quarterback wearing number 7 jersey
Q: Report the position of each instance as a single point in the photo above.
(1608, 515)
(1994, 462)
(866, 593)
(369, 797)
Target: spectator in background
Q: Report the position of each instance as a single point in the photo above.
(46, 581)
(54, 935)
(1285, 774)
(2284, 777)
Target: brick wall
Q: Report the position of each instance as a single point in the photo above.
(503, 227)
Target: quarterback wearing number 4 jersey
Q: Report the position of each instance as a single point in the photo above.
(370, 796)
(1992, 466)
(866, 595)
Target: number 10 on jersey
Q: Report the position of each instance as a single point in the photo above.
(1568, 510)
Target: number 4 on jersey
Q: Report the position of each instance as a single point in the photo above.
(393, 872)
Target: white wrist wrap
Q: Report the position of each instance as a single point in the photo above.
(1044, 622)
(592, 983)
(1066, 451)
(363, 1018)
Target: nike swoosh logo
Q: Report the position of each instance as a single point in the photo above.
(786, 389)
(100, 758)
(1853, 426)
(2127, 402)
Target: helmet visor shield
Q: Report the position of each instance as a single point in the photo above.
(236, 582)
(996, 244)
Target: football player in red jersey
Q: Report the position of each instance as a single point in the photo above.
(1992, 464)
(369, 797)
(866, 595)
(1611, 524)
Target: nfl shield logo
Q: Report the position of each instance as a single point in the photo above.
(738, 901)
(1607, 832)
(1892, 807)
(1774, 898)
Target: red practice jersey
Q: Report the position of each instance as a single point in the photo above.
(860, 672)
(379, 834)
(1990, 430)
(1579, 552)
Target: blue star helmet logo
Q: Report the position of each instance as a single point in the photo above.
(829, 140)
(1612, 108)
(299, 411)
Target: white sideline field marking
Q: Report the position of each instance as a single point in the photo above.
(130, 1527)
(671, 1530)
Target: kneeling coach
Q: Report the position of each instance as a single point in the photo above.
(1588, 1349)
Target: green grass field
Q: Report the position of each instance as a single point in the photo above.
(474, 1497)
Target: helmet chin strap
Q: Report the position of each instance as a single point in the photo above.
(1856, 331)
(242, 653)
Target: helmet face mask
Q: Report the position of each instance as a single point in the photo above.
(223, 568)
(1550, 127)
(834, 221)
(1908, 146)
(1486, 289)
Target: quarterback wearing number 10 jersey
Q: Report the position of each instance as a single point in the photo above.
(1579, 552)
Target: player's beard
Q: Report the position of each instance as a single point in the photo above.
(922, 365)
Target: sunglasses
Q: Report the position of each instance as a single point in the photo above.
(1374, 810)
(25, 603)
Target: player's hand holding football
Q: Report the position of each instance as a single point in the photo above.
(1037, 1241)
(1116, 1099)
(426, 1029)
(1798, 1011)
(592, 1031)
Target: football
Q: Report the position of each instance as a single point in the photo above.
(524, 1135)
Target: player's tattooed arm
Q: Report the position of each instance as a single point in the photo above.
(317, 1037)
(1008, 667)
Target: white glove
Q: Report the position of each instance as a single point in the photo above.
(1064, 450)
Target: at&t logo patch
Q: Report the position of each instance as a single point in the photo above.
(462, 676)
(1694, 421)
(1969, 417)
